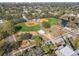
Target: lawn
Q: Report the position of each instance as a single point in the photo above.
(24, 27)
(52, 21)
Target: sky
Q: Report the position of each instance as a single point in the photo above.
(39, 0)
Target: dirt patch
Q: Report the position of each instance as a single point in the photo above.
(31, 23)
(43, 20)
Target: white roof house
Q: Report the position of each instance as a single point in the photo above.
(69, 35)
(24, 17)
(41, 32)
(77, 15)
(67, 28)
(72, 14)
(66, 51)
(1, 21)
(59, 40)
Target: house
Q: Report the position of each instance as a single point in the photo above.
(59, 40)
(1, 21)
(41, 32)
(73, 15)
(67, 28)
(65, 51)
(77, 20)
(24, 17)
(77, 15)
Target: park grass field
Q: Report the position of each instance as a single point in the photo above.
(28, 28)
(52, 21)
(24, 27)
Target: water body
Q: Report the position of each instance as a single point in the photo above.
(64, 22)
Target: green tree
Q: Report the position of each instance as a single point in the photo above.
(38, 40)
(49, 48)
(76, 43)
(46, 25)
